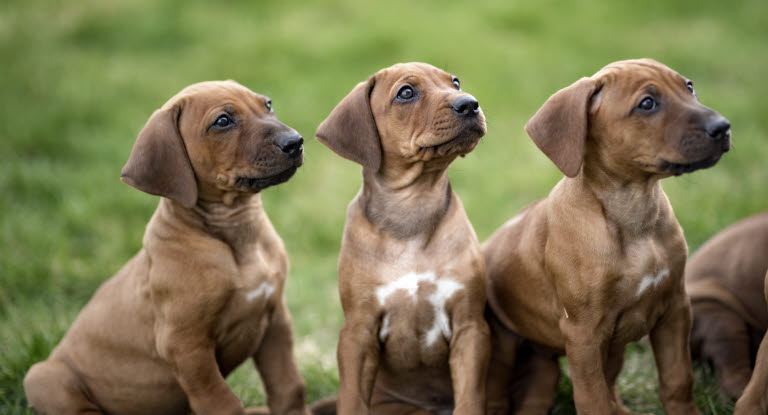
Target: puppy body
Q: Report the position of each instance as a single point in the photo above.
(724, 279)
(754, 401)
(205, 292)
(411, 275)
(599, 262)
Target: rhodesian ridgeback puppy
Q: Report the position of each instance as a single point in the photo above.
(206, 291)
(599, 262)
(754, 401)
(725, 282)
(411, 274)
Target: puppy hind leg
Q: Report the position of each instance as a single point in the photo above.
(727, 344)
(383, 403)
(536, 379)
(504, 354)
(325, 406)
(53, 389)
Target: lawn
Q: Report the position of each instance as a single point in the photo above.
(78, 79)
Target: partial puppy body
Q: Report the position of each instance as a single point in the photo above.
(754, 401)
(411, 275)
(206, 291)
(599, 263)
(724, 279)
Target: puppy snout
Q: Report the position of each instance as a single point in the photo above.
(718, 128)
(466, 106)
(291, 144)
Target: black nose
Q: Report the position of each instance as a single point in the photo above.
(718, 128)
(466, 106)
(291, 144)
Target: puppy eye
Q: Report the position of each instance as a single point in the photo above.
(456, 83)
(647, 104)
(223, 121)
(689, 84)
(405, 93)
(268, 104)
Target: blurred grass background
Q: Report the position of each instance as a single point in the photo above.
(78, 79)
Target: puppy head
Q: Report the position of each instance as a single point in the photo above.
(403, 114)
(210, 140)
(635, 117)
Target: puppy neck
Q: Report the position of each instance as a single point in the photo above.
(631, 202)
(406, 202)
(236, 223)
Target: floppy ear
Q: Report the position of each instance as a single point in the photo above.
(158, 163)
(350, 130)
(559, 128)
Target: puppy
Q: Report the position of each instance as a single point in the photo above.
(411, 275)
(754, 401)
(725, 282)
(206, 291)
(599, 263)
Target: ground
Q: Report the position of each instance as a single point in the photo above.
(78, 79)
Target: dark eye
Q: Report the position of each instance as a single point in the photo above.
(268, 104)
(223, 122)
(689, 84)
(647, 104)
(405, 93)
(456, 83)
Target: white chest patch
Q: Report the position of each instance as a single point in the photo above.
(444, 289)
(265, 290)
(652, 280)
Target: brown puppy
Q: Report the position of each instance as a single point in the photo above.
(725, 282)
(411, 275)
(599, 263)
(206, 291)
(754, 401)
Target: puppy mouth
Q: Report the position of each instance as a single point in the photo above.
(259, 183)
(463, 142)
(681, 168)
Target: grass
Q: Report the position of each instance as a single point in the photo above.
(79, 79)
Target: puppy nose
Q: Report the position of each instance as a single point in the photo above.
(466, 106)
(290, 144)
(718, 128)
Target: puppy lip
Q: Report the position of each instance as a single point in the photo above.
(681, 168)
(469, 133)
(260, 183)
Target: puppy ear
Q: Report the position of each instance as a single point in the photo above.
(350, 130)
(559, 128)
(158, 163)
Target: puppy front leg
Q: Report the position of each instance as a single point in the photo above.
(358, 357)
(470, 353)
(193, 362)
(275, 362)
(754, 401)
(586, 352)
(669, 339)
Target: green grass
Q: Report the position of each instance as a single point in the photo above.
(78, 79)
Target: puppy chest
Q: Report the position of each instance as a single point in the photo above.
(254, 293)
(416, 318)
(648, 269)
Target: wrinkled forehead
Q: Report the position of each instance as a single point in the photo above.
(632, 75)
(412, 73)
(206, 95)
